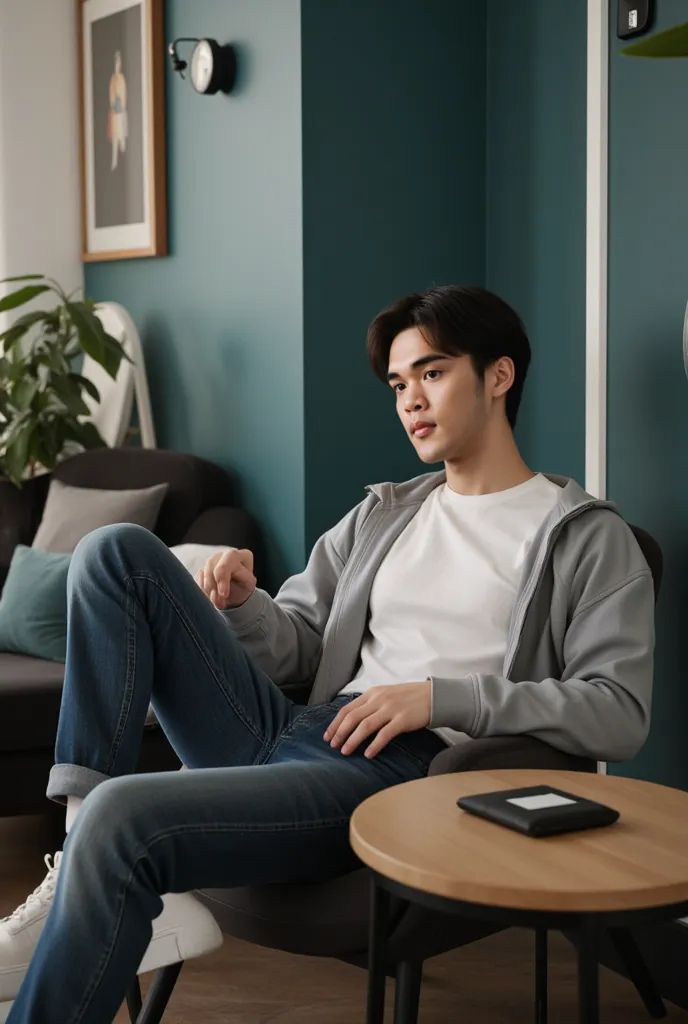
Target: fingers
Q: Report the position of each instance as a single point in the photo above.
(338, 722)
(384, 736)
(209, 572)
(230, 565)
(213, 594)
(365, 728)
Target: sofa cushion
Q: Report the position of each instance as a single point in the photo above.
(33, 605)
(194, 484)
(30, 693)
(71, 513)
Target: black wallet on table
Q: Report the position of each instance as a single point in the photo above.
(539, 810)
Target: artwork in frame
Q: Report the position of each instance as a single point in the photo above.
(122, 121)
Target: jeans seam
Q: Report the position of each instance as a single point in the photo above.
(203, 651)
(107, 953)
(125, 706)
(166, 834)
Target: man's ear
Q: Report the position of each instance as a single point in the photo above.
(502, 375)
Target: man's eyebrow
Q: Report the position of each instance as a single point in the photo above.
(423, 361)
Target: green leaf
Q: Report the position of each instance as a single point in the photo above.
(87, 385)
(23, 277)
(16, 458)
(89, 327)
(70, 393)
(89, 330)
(20, 326)
(39, 450)
(23, 394)
(673, 42)
(86, 434)
(21, 296)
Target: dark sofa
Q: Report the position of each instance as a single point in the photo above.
(200, 507)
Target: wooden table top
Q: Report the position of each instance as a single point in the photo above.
(416, 835)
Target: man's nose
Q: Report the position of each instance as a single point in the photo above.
(415, 400)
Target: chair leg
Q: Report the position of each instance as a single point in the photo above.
(638, 971)
(407, 992)
(159, 994)
(541, 966)
(134, 1001)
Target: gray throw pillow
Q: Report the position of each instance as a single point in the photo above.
(72, 512)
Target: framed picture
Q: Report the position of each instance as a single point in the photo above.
(122, 123)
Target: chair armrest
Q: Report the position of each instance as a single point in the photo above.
(470, 755)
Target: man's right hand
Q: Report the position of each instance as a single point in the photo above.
(227, 578)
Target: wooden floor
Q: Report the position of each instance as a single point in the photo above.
(489, 982)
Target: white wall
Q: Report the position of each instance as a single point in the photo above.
(39, 154)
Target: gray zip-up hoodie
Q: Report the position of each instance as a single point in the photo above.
(579, 655)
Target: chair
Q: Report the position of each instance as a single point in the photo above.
(331, 918)
(112, 415)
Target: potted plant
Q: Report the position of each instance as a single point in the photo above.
(43, 414)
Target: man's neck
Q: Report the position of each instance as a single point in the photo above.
(494, 465)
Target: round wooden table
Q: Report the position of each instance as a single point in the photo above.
(422, 848)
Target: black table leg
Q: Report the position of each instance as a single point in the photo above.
(638, 971)
(377, 953)
(540, 976)
(409, 978)
(588, 971)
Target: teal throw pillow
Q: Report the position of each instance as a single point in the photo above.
(33, 605)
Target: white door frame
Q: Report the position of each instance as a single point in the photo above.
(596, 252)
(596, 249)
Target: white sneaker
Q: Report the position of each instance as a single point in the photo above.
(20, 932)
(185, 929)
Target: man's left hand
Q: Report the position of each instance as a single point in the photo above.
(385, 710)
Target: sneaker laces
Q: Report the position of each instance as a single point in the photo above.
(41, 895)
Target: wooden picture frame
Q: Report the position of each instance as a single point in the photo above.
(121, 60)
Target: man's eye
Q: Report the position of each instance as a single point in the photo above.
(396, 388)
(438, 372)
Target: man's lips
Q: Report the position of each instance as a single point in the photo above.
(422, 429)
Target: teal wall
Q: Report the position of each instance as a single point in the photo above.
(222, 317)
(348, 169)
(536, 137)
(393, 201)
(364, 155)
(648, 391)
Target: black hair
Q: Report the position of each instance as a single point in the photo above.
(457, 320)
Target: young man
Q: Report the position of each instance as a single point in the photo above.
(485, 599)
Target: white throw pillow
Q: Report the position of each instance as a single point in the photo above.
(194, 556)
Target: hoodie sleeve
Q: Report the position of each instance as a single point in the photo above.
(600, 707)
(284, 635)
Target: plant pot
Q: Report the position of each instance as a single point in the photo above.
(20, 513)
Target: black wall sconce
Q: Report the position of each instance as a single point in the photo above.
(212, 67)
(634, 18)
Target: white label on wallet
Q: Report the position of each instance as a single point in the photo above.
(539, 802)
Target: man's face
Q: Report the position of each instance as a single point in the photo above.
(441, 391)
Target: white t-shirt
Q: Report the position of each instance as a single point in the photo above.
(441, 601)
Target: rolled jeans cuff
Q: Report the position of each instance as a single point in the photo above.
(72, 780)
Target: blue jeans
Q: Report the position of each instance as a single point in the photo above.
(267, 799)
